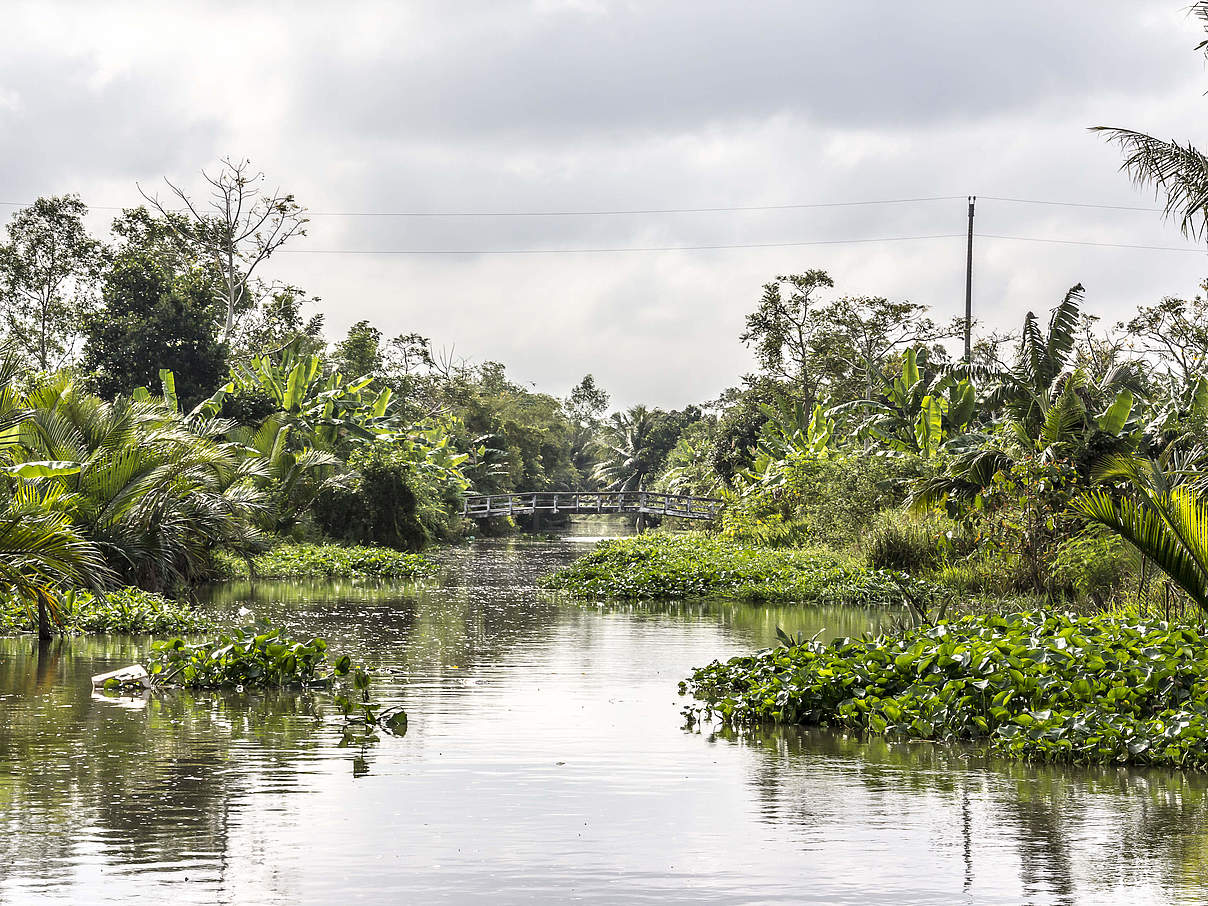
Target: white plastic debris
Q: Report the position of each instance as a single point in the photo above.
(127, 676)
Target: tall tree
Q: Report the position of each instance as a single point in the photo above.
(151, 318)
(48, 273)
(833, 349)
(781, 329)
(585, 405)
(587, 402)
(278, 320)
(238, 228)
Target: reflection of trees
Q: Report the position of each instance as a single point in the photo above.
(1072, 829)
(148, 785)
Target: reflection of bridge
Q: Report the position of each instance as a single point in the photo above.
(643, 503)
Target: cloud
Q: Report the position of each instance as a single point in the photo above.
(539, 106)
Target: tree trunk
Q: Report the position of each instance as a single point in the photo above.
(43, 623)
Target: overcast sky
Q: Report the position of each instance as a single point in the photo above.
(556, 105)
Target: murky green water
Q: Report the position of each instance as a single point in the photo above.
(545, 763)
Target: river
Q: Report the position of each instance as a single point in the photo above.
(546, 761)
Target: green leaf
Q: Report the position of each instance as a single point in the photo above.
(46, 468)
(1114, 417)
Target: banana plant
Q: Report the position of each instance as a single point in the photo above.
(788, 434)
(917, 411)
(330, 409)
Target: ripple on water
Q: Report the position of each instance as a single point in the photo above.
(545, 762)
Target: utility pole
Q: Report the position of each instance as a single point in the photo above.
(969, 287)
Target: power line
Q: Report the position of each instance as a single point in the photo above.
(1106, 245)
(1071, 204)
(748, 245)
(581, 251)
(601, 213)
(705, 210)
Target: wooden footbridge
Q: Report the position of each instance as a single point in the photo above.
(641, 503)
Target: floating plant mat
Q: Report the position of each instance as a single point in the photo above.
(1038, 685)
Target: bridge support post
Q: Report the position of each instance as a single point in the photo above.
(536, 522)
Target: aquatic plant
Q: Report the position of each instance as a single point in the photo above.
(660, 567)
(259, 656)
(1036, 685)
(121, 610)
(328, 561)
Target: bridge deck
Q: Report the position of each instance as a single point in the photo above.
(684, 506)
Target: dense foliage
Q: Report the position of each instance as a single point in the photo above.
(1098, 689)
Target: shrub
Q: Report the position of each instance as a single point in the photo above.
(1044, 686)
(387, 503)
(829, 501)
(1093, 566)
(900, 540)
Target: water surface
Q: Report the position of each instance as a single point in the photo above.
(545, 762)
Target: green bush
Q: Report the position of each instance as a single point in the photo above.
(1045, 686)
(829, 501)
(1092, 567)
(663, 566)
(900, 540)
(387, 503)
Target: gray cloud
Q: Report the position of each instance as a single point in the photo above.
(548, 105)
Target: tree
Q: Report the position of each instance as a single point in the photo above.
(855, 338)
(634, 444)
(238, 230)
(277, 322)
(1173, 337)
(586, 402)
(150, 319)
(585, 405)
(782, 328)
(360, 353)
(48, 270)
(1179, 172)
(834, 349)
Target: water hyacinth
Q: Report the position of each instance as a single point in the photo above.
(333, 561)
(1043, 686)
(689, 565)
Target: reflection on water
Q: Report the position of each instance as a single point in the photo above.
(545, 762)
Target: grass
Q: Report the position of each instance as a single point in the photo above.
(326, 561)
(661, 567)
(1099, 689)
(130, 610)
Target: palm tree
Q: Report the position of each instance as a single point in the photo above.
(40, 552)
(1162, 513)
(1177, 171)
(153, 491)
(627, 449)
(296, 473)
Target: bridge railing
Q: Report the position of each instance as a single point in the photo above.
(483, 506)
